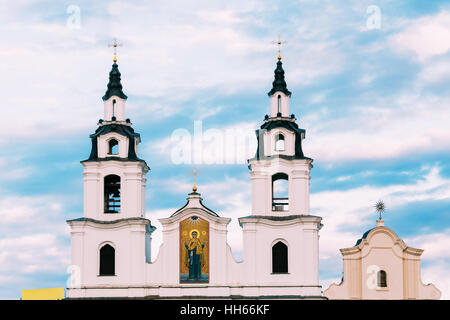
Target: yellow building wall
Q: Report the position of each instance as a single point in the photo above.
(43, 294)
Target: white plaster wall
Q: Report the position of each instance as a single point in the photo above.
(269, 142)
(388, 261)
(301, 237)
(284, 104)
(261, 180)
(132, 178)
(120, 109)
(250, 278)
(128, 240)
(103, 145)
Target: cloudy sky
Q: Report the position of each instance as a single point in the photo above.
(369, 82)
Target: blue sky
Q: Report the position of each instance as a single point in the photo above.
(374, 103)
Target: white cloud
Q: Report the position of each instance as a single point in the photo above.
(317, 97)
(33, 239)
(223, 17)
(367, 79)
(201, 144)
(11, 168)
(32, 253)
(435, 245)
(426, 37)
(437, 274)
(435, 72)
(53, 77)
(205, 112)
(28, 210)
(387, 128)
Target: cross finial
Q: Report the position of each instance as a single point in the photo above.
(115, 43)
(380, 207)
(194, 174)
(279, 43)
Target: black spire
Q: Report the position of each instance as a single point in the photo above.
(114, 85)
(279, 84)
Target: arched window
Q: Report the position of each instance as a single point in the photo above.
(107, 260)
(279, 258)
(382, 279)
(114, 108)
(279, 142)
(279, 103)
(280, 192)
(113, 146)
(112, 194)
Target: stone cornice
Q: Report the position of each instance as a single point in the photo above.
(82, 222)
(281, 220)
(365, 241)
(190, 211)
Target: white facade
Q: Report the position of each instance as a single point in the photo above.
(115, 107)
(133, 181)
(279, 103)
(136, 277)
(121, 232)
(300, 235)
(261, 175)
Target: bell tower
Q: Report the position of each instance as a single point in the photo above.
(114, 175)
(279, 170)
(281, 238)
(111, 243)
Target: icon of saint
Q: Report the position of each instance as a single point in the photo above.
(194, 256)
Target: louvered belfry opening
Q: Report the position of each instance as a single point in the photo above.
(112, 194)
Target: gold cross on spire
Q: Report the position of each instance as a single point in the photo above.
(279, 43)
(115, 44)
(194, 174)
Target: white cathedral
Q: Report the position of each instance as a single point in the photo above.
(110, 244)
